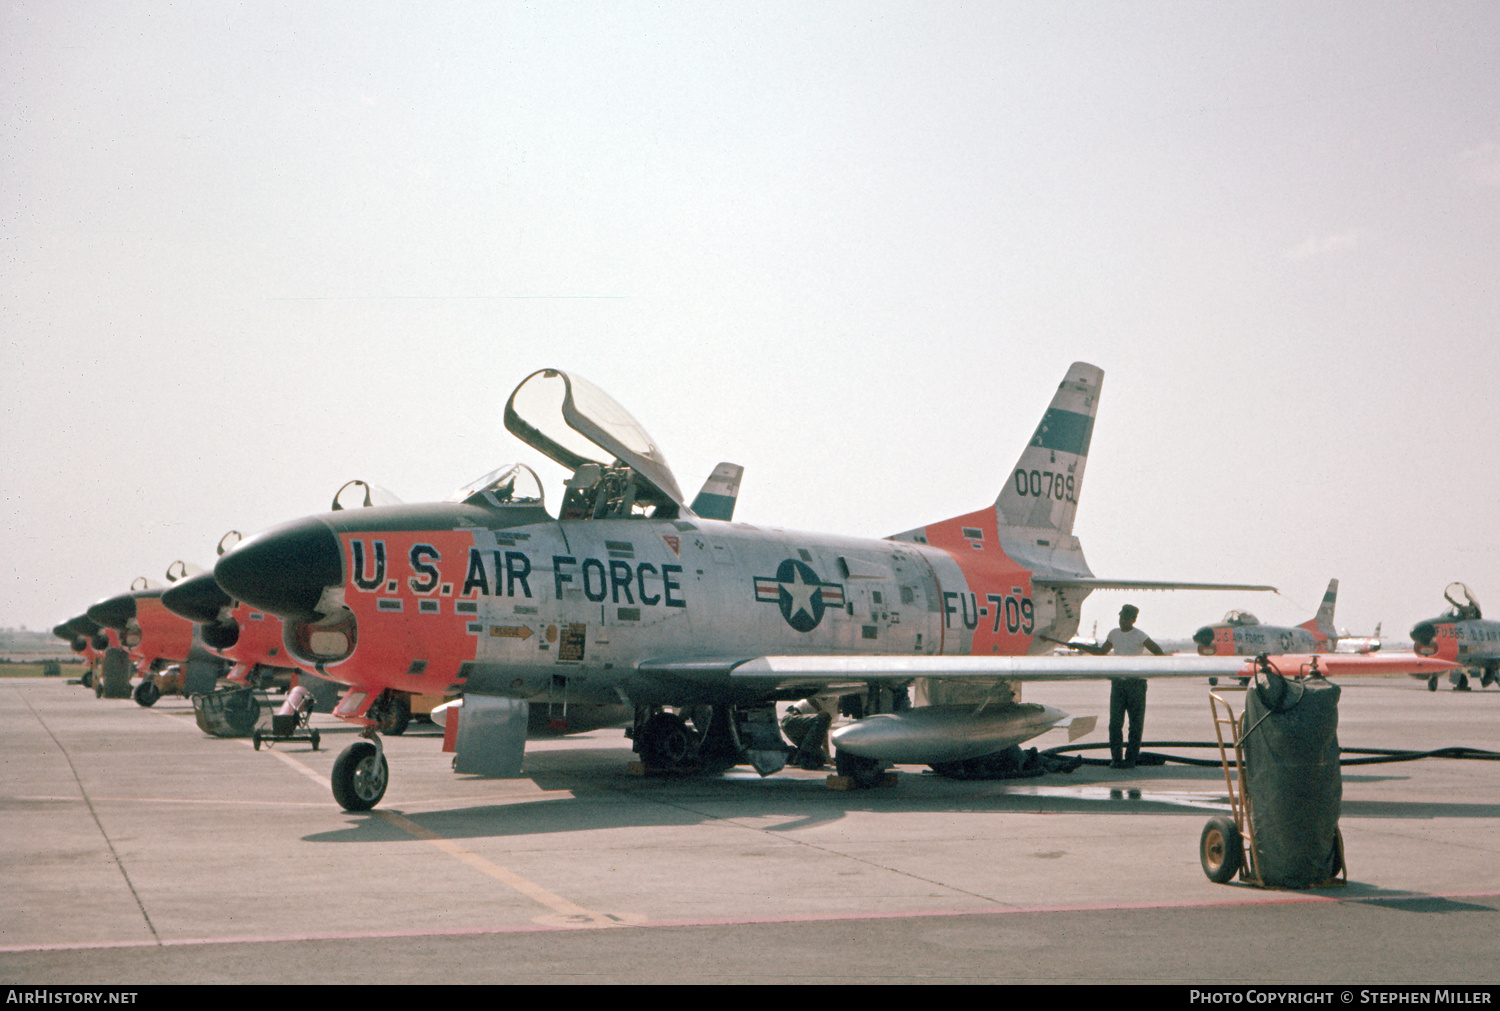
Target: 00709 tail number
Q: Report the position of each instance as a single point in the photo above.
(1045, 484)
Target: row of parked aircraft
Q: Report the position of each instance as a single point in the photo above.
(628, 604)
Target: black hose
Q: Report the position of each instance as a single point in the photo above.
(1377, 756)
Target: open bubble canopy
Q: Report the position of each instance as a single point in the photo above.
(573, 422)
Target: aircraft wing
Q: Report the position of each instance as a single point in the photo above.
(1091, 583)
(819, 673)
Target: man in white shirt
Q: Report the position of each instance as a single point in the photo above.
(1126, 695)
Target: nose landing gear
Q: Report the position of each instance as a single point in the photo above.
(360, 775)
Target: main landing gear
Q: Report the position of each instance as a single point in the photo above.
(697, 740)
(360, 775)
(392, 711)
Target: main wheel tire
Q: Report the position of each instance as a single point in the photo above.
(395, 714)
(99, 687)
(1220, 849)
(865, 773)
(360, 775)
(87, 680)
(146, 693)
(668, 740)
(255, 740)
(314, 737)
(1432, 683)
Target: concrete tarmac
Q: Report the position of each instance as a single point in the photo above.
(138, 850)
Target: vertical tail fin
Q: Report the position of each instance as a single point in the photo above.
(720, 492)
(1042, 491)
(1322, 622)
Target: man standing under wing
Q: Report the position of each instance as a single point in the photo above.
(1126, 695)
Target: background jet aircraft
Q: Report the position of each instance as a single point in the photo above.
(1462, 635)
(90, 641)
(701, 625)
(156, 638)
(1359, 643)
(1242, 634)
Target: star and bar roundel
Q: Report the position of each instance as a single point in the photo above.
(803, 597)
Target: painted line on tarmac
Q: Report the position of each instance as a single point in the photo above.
(568, 913)
(549, 923)
(565, 913)
(83, 794)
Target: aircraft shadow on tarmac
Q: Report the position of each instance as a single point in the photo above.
(584, 797)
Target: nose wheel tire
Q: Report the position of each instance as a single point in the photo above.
(360, 776)
(1220, 849)
(146, 693)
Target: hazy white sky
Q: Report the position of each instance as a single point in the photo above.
(251, 250)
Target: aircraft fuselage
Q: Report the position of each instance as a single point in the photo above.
(473, 603)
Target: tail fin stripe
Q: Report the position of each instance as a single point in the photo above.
(1067, 431)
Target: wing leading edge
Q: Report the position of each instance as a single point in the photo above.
(1091, 583)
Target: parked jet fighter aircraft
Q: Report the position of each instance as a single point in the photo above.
(628, 594)
(156, 638)
(1348, 643)
(1462, 635)
(90, 641)
(1242, 634)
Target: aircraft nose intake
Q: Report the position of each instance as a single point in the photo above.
(197, 598)
(1204, 636)
(114, 612)
(1424, 633)
(283, 570)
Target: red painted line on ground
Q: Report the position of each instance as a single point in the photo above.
(1268, 900)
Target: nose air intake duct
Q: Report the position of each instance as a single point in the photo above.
(283, 570)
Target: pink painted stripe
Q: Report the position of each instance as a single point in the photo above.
(1260, 899)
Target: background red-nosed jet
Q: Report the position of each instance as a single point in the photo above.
(1461, 634)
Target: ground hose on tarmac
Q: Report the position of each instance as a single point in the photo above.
(1372, 756)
